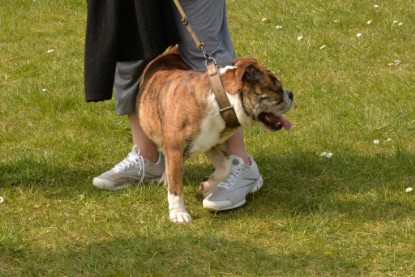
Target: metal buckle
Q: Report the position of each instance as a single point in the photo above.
(208, 58)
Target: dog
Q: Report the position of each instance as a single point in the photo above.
(178, 111)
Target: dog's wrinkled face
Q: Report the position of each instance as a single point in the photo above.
(262, 95)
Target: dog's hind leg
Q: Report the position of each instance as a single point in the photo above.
(221, 162)
(174, 178)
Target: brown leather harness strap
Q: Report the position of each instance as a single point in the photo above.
(226, 109)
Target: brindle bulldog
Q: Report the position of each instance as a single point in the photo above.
(178, 111)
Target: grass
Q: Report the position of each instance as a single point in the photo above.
(347, 215)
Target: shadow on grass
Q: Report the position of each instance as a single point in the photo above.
(299, 183)
(49, 177)
(177, 255)
(360, 187)
(357, 186)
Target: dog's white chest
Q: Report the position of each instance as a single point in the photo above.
(210, 131)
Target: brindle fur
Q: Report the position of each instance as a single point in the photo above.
(174, 103)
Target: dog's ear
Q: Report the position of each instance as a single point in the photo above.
(248, 70)
(251, 74)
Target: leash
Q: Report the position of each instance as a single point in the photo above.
(225, 108)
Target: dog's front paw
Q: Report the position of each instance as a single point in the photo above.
(206, 188)
(180, 216)
(177, 210)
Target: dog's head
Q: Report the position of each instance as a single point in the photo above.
(260, 93)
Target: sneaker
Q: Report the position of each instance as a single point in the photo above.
(133, 168)
(231, 193)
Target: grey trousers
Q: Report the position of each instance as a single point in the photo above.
(126, 84)
(209, 21)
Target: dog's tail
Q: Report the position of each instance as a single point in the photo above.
(169, 60)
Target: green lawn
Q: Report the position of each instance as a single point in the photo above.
(351, 67)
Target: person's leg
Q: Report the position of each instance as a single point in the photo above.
(244, 177)
(144, 162)
(148, 149)
(209, 22)
(236, 146)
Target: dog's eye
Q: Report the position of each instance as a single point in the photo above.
(263, 97)
(274, 80)
(276, 84)
(280, 91)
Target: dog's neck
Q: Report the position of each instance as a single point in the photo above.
(226, 109)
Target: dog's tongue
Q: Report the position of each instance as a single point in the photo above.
(284, 122)
(281, 120)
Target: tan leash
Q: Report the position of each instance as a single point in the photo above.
(199, 44)
(226, 109)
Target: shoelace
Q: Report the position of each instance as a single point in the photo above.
(232, 177)
(132, 160)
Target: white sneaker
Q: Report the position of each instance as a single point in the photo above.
(231, 193)
(133, 168)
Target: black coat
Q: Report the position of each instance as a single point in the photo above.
(123, 30)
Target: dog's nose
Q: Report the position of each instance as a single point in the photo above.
(290, 94)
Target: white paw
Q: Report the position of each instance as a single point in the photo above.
(178, 213)
(179, 217)
(206, 188)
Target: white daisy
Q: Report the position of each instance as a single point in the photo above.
(327, 155)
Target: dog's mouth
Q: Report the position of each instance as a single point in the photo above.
(274, 122)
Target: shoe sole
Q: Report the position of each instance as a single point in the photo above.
(106, 185)
(103, 184)
(257, 186)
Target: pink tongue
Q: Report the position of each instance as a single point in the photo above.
(285, 123)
